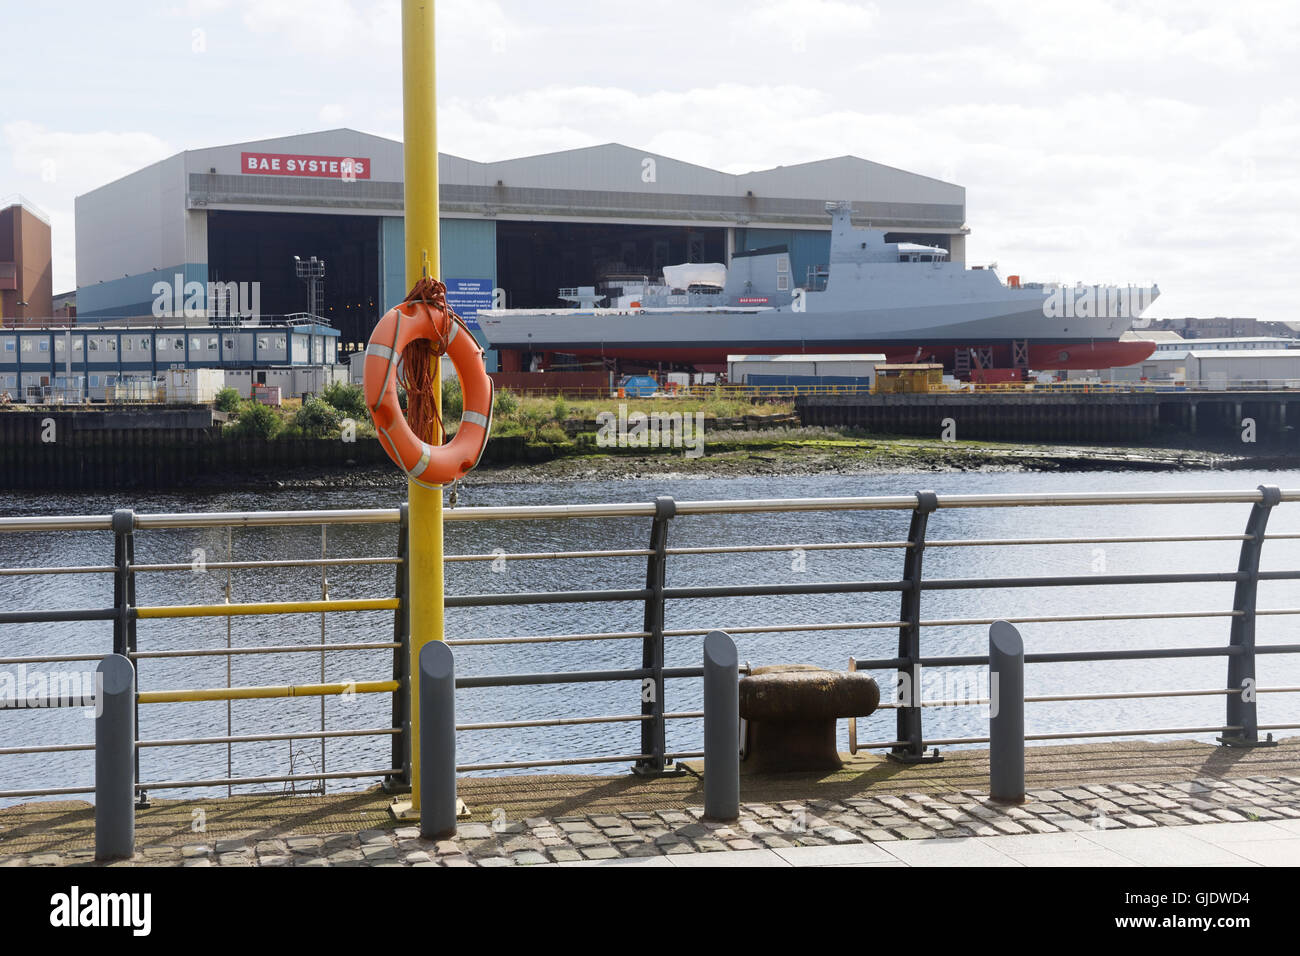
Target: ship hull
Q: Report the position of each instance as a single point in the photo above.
(1043, 356)
(933, 333)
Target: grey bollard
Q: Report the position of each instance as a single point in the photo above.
(1006, 714)
(115, 759)
(437, 741)
(721, 728)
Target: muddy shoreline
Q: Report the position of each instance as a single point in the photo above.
(799, 458)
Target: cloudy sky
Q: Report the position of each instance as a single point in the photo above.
(1098, 141)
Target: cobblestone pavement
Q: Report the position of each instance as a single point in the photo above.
(773, 826)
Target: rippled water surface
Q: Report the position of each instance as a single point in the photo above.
(828, 648)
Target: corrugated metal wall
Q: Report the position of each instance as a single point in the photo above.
(469, 251)
(808, 247)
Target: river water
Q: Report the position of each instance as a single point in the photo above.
(829, 648)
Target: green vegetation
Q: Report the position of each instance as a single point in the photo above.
(257, 420)
(504, 404)
(317, 418)
(349, 399)
(227, 400)
(563, 425)
(453, 402)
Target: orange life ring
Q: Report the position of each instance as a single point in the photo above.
(425, 464)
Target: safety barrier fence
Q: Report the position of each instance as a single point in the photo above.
(1240, 726)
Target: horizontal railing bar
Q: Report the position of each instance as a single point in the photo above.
(562, 677)
(259, 693)
(222, 782)
(53, 659)
(1131, 695)
(557, 762)
(953, 543)
(636, 509)
(84, 569)
(50, 617)
(549, 638)
(253, 519)
(266, 607)
(631, 552)
(58, 523)
(766, 590)
(259, 738)
(50, 749)
(819, 546)
(564, 721)
(272, 649)
(552, 722)
(908, 502)
(549, 555)
(50, 702)
(1065, 657)
(1078, 618)
(234, 781)
(1088, 580)
(578, 677)
(278, 563)
(1157, 539)
(787, 628)
(953, 741)
(544, 597)
(47, 792)
(205, 741)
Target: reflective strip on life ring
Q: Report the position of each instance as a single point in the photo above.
(425, 464)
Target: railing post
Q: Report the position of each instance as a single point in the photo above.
(1006, 714)
(124, 640)
(721, 728)
(437, 741)
(909, 729)
(401, 752)
(652, 647)
(1241, 666)
(114, 758)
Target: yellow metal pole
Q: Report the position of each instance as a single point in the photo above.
(420, 169)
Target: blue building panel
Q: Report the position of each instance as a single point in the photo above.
(138, 294)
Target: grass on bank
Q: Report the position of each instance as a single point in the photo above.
(537, 420)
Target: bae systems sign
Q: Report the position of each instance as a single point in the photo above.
(289, 164)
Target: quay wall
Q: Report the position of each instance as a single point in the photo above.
(1100, 417)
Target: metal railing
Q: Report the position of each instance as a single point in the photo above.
(1240, 726)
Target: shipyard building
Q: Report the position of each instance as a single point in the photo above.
(198, 229)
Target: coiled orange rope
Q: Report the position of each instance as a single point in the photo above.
(418, 375)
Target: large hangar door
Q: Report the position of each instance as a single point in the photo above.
(536, 259)
(259, 247)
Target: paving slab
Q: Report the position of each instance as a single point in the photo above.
(841, 855)
(729, 858)
(970, 851)
(1164, 846)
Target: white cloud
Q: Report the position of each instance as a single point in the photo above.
(1097, 140)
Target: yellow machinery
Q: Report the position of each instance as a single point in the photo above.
(911, 379)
